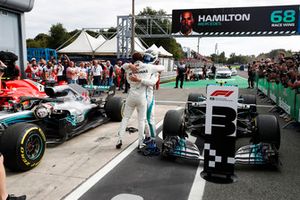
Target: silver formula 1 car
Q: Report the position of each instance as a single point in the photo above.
(69, 110)
(263, 130)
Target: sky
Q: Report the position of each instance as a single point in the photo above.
(78, 14)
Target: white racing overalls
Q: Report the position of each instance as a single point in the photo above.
(150, 129)
(137, 97)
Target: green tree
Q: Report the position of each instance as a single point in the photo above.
(142, 24)
(169, 44)
(31, 43)
(40, 41)
(218, 58)
(58, 35)
(238, 59)
(109, 33)
(222, 58)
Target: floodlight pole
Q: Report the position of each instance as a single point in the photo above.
(198, 44)
(132, 28)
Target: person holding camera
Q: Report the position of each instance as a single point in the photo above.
(11, 71)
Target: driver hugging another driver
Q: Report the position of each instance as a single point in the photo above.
(138, 76)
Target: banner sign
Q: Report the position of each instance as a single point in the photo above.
(239, 21)
(220, 130)
(287, 99)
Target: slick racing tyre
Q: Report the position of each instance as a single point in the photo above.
(268, 130)
(114, 108)
(248, 99)
(195, 97)
(23, 146)
(195, 115)
(173, 122)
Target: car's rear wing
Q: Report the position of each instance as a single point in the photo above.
(95, 91)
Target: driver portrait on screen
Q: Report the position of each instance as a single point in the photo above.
(186, 24)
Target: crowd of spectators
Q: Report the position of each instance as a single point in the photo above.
(96, 72)
(284, 70)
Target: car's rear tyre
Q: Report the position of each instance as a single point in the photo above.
(195, 97)
(268, 130)
(173, 122)
(114, 108)
(249, 99)
(23, 146)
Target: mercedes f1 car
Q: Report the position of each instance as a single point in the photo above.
(261, 128)
(68, 110)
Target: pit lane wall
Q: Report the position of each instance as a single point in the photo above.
(284, 97)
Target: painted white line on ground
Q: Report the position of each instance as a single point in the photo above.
(90, 182)
(198, 186)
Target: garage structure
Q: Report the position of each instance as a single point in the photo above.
(12, 23)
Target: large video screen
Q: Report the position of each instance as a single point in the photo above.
(242, 21)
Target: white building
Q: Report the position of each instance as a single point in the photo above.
(12, 23)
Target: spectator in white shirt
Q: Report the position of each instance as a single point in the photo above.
(96, 70)
(82, 74)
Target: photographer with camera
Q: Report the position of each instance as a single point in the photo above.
(11, 71)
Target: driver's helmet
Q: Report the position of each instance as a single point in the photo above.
(150, 56)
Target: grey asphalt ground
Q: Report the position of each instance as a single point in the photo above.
(154, 178)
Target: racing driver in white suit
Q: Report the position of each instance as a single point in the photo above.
(137, 94)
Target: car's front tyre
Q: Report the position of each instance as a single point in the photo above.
(23, 146)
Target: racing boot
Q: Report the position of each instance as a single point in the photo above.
(119, 144)
(141, 147)
(13, 197)
(147, 140)
(150, 148)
